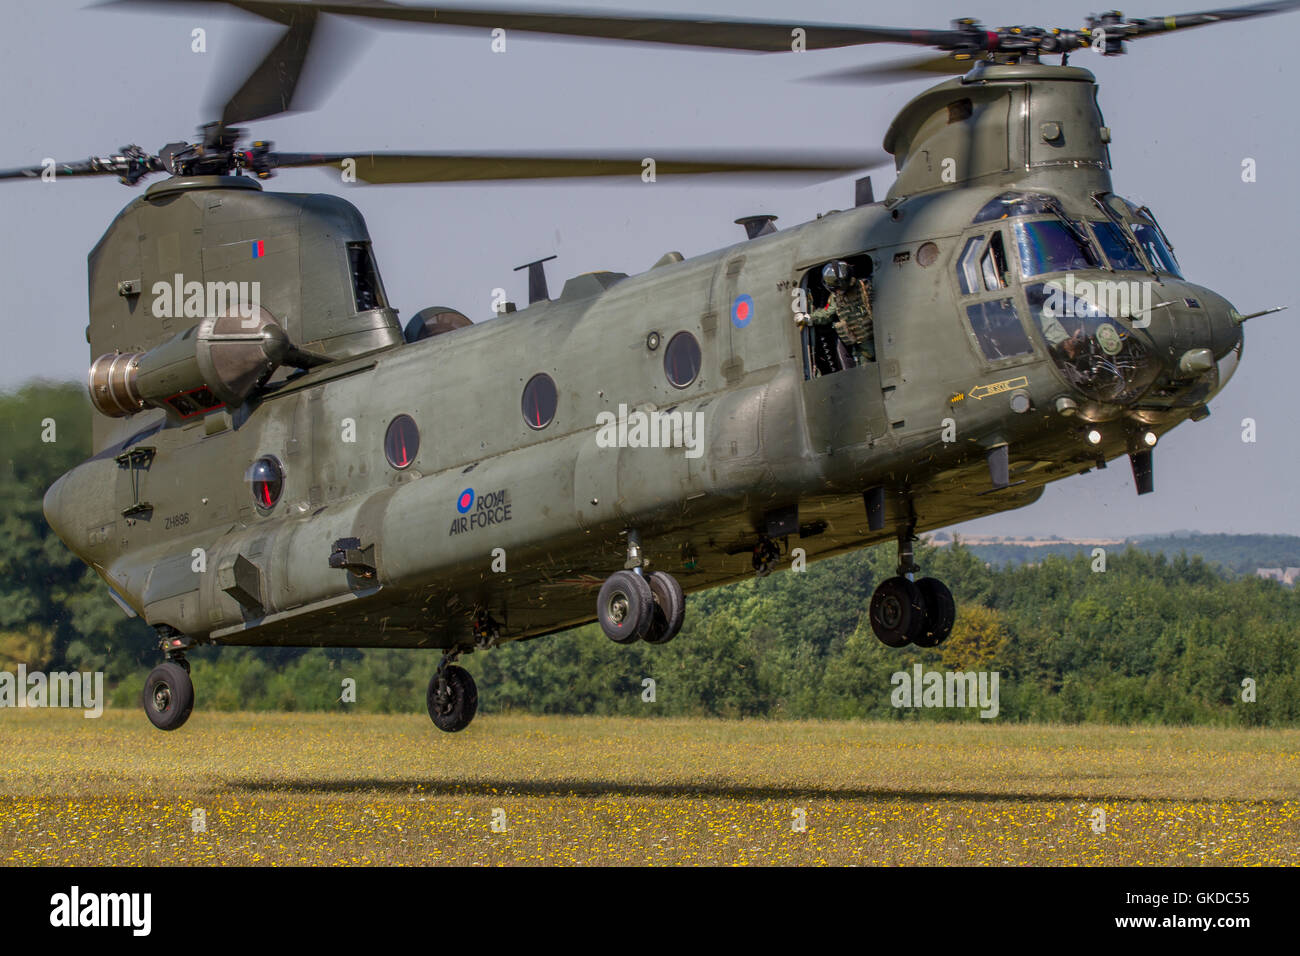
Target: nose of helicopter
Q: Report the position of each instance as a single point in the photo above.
(1193, 330)
(1174, 344)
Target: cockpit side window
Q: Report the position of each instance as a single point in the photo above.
(993, 264)
(967, 266)
(366, 287)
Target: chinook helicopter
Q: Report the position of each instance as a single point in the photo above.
(278, 462)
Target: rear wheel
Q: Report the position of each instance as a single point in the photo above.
(452, 698)
(168, 696)
(897, 612)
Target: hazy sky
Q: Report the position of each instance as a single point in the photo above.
(1185, 111)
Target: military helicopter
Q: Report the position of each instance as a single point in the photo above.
(279, 462)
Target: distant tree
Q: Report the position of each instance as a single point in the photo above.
(978, 641)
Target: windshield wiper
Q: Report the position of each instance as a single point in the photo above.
(1126, 232)
(1075, 229)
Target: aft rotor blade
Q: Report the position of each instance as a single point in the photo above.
(387, 168)
(269, 88)
(894, 70)
(85, 167)
(120, 166)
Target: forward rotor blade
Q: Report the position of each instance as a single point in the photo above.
(758, 36)
(388, 168)
(1182, 21)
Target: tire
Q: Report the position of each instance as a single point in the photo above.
(940, 612)
(625, 607)
(453, 704)
(669, 608)
(897, 612)
(168, 696)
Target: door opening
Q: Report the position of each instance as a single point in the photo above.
(837, 328)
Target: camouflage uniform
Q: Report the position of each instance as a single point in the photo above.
(849, 313)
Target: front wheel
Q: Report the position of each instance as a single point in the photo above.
(897, 612)
(669, 609)
(452, 698)
(168, 696)
(940, 612)
(625, 607)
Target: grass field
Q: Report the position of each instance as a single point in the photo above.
(351, 789)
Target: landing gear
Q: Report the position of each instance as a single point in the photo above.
(452, 696)
(487, 631)
(168, 691)
(897, 612)
(635, 605)
(669, 610)
(767, 554)
(907, 611)
(168, 695)
(940, 612)
(625, 607)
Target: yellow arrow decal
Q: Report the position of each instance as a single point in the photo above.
(979, 392)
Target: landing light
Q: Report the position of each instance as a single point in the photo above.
(1094, 436)
(1149, 439)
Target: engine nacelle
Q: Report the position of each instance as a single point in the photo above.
(222, 360)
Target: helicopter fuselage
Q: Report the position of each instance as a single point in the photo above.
(1002, 358)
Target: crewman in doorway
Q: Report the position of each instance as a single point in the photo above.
(847, 310)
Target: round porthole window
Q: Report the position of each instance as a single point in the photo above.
(401, 441)
(539, 401)
(682, 359)
(266, 477)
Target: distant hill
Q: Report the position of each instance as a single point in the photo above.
(1234, 554)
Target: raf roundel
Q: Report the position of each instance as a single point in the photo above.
(465, 501)
(742, 310)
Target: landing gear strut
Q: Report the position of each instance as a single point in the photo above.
(168, 691)
(767, 553)
(635, 605)
(907, 611)
(452, 696)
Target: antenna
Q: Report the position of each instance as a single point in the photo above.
(537, 291)
(756, 226)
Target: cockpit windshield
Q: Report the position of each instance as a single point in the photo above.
(1053, 245)
(1118, 249)
(1153, 244)
(1141, 223)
